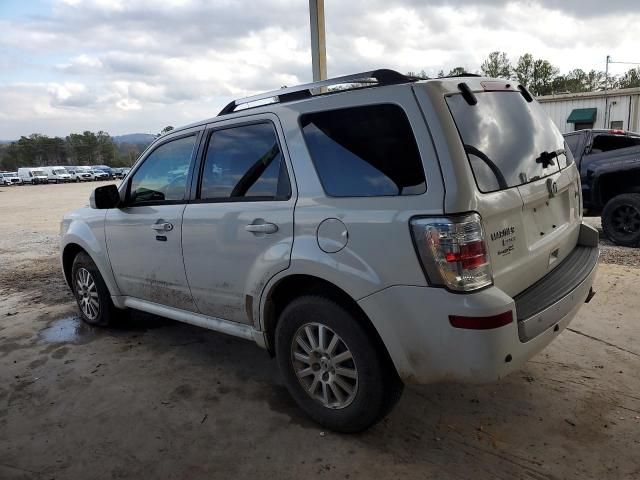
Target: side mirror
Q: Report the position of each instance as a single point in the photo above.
(105, 197)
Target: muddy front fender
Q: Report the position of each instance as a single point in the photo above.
(84, 230)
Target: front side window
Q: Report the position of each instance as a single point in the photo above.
(163, 175)
(364, 151)
(244, 163)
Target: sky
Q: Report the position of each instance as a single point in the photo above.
(128, 66)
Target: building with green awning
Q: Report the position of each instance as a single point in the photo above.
(617, 109)
(583, 115)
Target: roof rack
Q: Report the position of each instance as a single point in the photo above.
(289, 94)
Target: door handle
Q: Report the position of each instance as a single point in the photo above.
(162, 227)
(261, 228)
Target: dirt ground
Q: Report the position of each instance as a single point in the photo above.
(158, 399)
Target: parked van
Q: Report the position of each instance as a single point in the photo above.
(401, 232)
(10, 178)
(32, 175)
(57, 174)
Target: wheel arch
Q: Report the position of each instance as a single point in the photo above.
(69, 254)
(74, 245)
(288, 288)
(609, 185)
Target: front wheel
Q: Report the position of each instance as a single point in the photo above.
(621, 219)
(333, 367)
(92, 294)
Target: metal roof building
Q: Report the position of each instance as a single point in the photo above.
(616, 109)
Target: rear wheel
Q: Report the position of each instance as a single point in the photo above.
(621, 219)
(92, 294)
(333, 367)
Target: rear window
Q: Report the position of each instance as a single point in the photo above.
(509, 142)
(606, 143)
(364, 151)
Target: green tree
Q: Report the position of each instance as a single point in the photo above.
(523, 71)
(165, 130)
(631, 79)
(421, 75)
(457, 71)
(83, 147)
(497, 65)
(543, 75)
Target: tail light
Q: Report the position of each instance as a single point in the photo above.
(453, 251)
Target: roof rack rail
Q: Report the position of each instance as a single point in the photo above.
(460, 75)
(289, 94)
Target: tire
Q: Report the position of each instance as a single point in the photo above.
(92, 295)
(621, 219)
(368, 397)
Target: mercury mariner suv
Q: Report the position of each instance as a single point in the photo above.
(369, 231)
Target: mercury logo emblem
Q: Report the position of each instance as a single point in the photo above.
(552, 187)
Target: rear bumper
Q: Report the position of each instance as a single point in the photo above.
(413, 323)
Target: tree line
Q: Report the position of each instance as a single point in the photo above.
(543, 78)
(86, 148)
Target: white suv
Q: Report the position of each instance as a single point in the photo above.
(389, 231)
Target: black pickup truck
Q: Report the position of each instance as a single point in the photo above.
(609, 164)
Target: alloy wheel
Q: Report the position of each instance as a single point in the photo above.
(324, 365)
(87, 294)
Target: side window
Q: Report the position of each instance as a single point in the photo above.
(244, 163)
(573, 141)
(163, 175)
(364, 151)
(605, 143)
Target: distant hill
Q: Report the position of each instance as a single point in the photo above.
(135, 138)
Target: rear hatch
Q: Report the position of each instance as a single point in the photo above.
(527, 184)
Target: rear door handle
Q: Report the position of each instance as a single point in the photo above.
(162, 227)
(261, 228)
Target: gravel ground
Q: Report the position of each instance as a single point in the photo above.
(156, 399)
(614, 254)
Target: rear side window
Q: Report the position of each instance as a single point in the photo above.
(244, 163)
(364, 151)
(606, 143)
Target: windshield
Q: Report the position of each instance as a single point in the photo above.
(37, 173)
(60, 171)
(509, 142)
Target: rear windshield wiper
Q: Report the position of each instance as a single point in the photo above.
(546, 158)
(502, 182)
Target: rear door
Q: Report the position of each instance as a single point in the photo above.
(529, 198)
(144, 237)
(238, 231)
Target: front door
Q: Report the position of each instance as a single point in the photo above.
(144, 236)
(238, 232)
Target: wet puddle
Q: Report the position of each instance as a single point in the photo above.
(73, 330)
(68, 330)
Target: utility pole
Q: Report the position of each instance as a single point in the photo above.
(318, 49)
(606, 87)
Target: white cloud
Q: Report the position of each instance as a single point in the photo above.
(130, 65)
